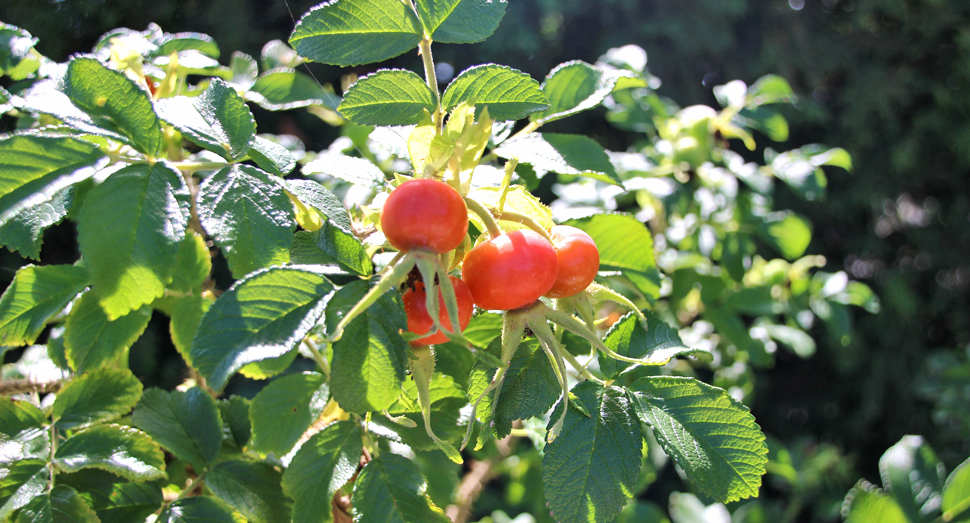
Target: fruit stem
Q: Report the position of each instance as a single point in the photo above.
(429, 73)
(575, 326)
(390, 280)
(512, 216)
(494, 231)
(317, 357)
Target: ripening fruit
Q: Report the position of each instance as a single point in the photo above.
(424, 215)
(579, 261)
(511, 270)
(419, 321)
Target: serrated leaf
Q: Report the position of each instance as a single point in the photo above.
(956, 493)
(285, 409)
(357, 171)
(576, 86)
(251, 488)
(192, 263)
(198, 509)
(186, 423)
(217, 120)
(124, 451)
(265, 369)
(45, 97)
(284, 89)
(272, 157)
(33, 168)
(235, 417)
(530, 387)
(173, 43)
(24, 231)
(508, 93)
(865, 504)
(60, 505)
(101, 395)
(324, 464)
(263, 316)
(590, 471)
(34, 297)
(129, 231)
(22, 481)
(331, 246)
(517, 199)
(244, 70)
(115, 102)
(92, 340)
(786, 232)
(657, 344)
(249, 216)
(913, 476)
(353, 32)
(388, 97)
(114, 499)
(324, 203)
(20, 420)
(391, 488)
(460, 21)
(712, 436)
(370, 358)
(186, 317)
(561, 153)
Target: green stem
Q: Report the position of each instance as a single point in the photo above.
(318, 357)
(389, 281)
(192, 486)
(494, 231)
(53, 453)
(512, 216)
(429, 73)
(581, 369)
(189, 167)
(531, 127)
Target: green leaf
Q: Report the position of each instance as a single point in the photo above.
(92, 340)
(712, 436)
(866, 504)
(769, 89)
(235, 418)
(20, 420)
(251, 488)
(173, 43)
(800, 341)
(354, 32)
(285, 409)
(249, 216)
(244, 70)
(625, 244)
(370, 358)
(198, 509)
(114, 499)
(530, 386)
(272, 157)
(24, 232)
(324, 464)
(120, 450)
(913, 476)
(956, 493)
(33, 168)
(115, 102)
(357, 171)
(333, 242)
(508, 93)
(786, 232)
(388, 97)
(590, 471)
(284, 89)
(186, 317)
(657, 344)
(34, 297)
(576, 86)
(22, 481)
(263, 316)
(192, 263)
(60, 505)
(16, 45)
(101, 395)
(186, 423)
(460, 21)
(129, 231)
(391, 488)
(446, 398)
(323, 202)
(561, 153)
(46, 98)
(217, 120)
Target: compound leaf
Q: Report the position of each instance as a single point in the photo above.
(249, 216)
(186, 423)
(508, 93)
(391, 488)
(590, 471)
(285, 409)
(124, 451)
(712, 436)
(101, 395)
(262, 316)
(36, 294)
(129, 231)
(353, 32)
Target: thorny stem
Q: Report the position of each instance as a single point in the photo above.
(494, 231)
(317, 357)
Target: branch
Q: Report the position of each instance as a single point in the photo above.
(22, 386)
(478, 475)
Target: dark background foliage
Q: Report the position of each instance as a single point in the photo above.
(888, 80)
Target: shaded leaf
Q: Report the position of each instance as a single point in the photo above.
(34, 297)
(24, 231)
(284, 89)
(186, 423)
(101, 395)
(92, 340)
(114, 499)
(285, 409)
(391, 488)
(913, 476)
(323, 464)
(60, 505)
(22, 481)
(251, 488)
(235, 418)
(198, 509)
